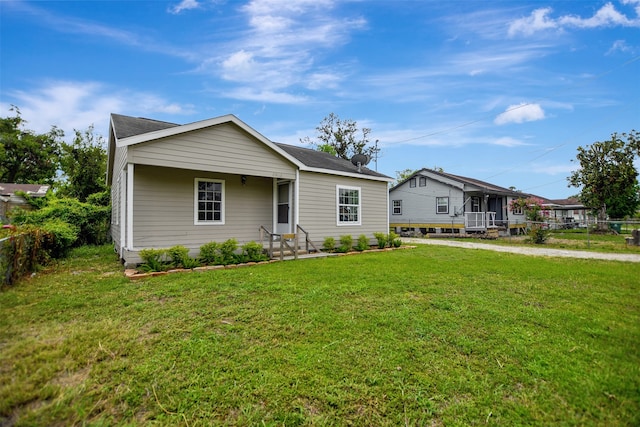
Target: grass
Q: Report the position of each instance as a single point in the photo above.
(428, 336)
(577, 239)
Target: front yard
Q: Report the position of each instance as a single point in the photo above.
(427, 336)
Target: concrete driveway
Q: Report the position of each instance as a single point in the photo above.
(527, 250)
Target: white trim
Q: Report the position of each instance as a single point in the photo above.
(129, 224)
(349, 174)
(195, 202)
(122, 192)
(296, 200)
(347, 187)
(274, 216)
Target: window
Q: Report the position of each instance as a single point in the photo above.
(517, 210)
(475, 204)
(209, 201)
(348, 205)
(442, 205)
(412, 182)
(397, 207)
(423, 181)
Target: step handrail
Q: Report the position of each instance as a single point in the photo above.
(307, 241)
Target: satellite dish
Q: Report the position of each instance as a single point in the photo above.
(360, 159)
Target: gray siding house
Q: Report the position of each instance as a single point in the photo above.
(219, 179)
(431, 201)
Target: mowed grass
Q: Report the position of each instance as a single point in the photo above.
(425, 336)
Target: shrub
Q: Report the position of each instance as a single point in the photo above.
(538, 235)
(329, 244)
(227, 251)
(363, 243)
(22, 252)
(382, 239)
(180, 257)
(253, 252)
(397, 243)
(346, 243)
(391, 238)
(154, 260)
(209, 253)
(214, 253)
(92, 221)
(60, 237)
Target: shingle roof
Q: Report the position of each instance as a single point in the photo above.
(322, 160)
(126, 126)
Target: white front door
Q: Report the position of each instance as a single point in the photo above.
(283, 220)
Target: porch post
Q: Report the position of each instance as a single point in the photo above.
(129, 224)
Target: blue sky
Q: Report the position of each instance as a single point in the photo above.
(502, 91)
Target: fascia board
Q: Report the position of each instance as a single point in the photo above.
(347, 174)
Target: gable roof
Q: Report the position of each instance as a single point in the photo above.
(134, 130)
(34, 190)
(485, 186)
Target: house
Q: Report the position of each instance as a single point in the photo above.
(431, 201)
(565, 213)
(218, 179)
(10, 196)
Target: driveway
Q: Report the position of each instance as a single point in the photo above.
(527, 250)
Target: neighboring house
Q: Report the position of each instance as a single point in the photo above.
(219, 179)
(431, 201)
(565, 213)
(9, 199)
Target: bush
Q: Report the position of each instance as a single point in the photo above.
(397, 243)
(253, 252)
(363, 243)
(154, 260)
(329, 244)
(209, 253)
(21, 253)
(214, 253)
(382, 239)
(91, 221)
(346, 243)
(538, 235)
(60, 238)
(180, 257)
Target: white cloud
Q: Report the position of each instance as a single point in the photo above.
(71, 105)
(507, 141)
(184, 5)
(607, 16)
(520, 113)
(619, 46)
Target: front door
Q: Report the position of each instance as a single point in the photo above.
(495, 205)
(283, 224)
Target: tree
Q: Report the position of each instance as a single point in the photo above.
(84, 164)
(608, 178)
(340, 138)
(402, 175)
(27, 157)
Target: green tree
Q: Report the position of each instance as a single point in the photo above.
(402, 175)
(342, 138)
(607, 176)
(84, 165)
(25, 156)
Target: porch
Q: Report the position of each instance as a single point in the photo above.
(480, 221)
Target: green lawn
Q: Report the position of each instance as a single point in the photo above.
(427, 336)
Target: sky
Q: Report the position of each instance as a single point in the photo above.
(501, 91)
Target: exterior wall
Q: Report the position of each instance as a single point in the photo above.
(318, 206)
(419, 205)
(223, 148)
(118, 187)
(163, 210)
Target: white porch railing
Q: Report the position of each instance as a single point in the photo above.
(479, 220)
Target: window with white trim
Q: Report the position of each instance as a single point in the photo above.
(349, 205)
(442, 205)
(209, 201)
(397, 207)
(517, 210)
(423, 181)
(412, 182)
